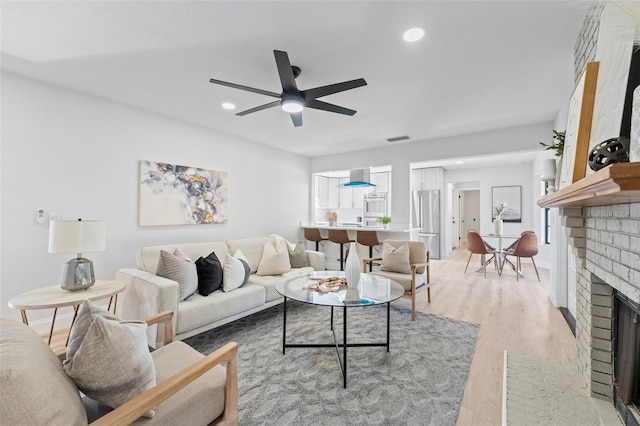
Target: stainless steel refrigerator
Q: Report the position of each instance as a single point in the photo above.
(425, 207)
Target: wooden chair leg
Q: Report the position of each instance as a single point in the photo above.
(536, 268)
(517, 268)
(468, 260)
(428, 293)
(483, 259)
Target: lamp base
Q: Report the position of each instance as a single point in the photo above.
(77, 274)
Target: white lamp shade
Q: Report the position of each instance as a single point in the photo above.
(548, 169)
(75, 236)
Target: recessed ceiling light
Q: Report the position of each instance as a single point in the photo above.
(413, 34)
(228, 105)
(459, 162)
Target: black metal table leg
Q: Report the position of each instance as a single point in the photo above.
(388, 315)
(284, 327)
(344, 346)
(332, 318)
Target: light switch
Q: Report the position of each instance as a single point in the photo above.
(40, 214)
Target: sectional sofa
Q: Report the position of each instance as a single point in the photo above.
(149, 291)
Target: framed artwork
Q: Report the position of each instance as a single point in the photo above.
(510, 199)
(171, 194)
(578, 133)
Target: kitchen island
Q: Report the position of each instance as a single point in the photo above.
(332, 251)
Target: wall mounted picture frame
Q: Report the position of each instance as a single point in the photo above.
(578, 133)
(171, 194)
(511, 197)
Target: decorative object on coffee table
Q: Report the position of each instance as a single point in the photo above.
(71, 236)
(353, 267)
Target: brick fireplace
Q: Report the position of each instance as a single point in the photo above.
(606, 242)
(601, 217)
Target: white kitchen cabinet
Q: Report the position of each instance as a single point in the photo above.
(428, 178)
(381, 181)
(345, 194)
(334, 193)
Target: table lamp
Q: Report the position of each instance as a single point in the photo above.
(77, 236)
(549, 174)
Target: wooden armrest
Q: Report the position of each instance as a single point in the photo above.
(130, 411)
(416, 265)
(367, 260)
(166, 318)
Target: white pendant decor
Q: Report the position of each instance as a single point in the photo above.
(497, 226)
(634, 149)
(353, 267)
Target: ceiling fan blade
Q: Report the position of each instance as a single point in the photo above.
(297, 118)
(286, 73)
(318, 92)
(325, 106)
(260, 108)
(247, 88)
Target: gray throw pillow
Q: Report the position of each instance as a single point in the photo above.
(110, 362)
(182, 270)
(396, 259)
(298, 256)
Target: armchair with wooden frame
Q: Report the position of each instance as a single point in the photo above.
(420, 271)
(190, 365)
(191, 388)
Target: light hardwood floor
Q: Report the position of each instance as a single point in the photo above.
(513, 316)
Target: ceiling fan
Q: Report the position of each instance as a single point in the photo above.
(292, 99)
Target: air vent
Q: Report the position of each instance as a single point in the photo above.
(398, 138)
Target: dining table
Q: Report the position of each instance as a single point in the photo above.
(500, 255)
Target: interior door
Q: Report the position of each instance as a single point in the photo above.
(469, 212)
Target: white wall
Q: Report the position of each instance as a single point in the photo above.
(524, 138)
(77, 155)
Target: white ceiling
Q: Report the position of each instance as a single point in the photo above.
(483, 64)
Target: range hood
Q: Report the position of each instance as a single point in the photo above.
(358, 178)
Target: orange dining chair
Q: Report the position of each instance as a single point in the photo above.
(476, 245)
(525, 246)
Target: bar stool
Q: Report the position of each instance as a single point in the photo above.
(313, 234)
(340, 236)
(370, 239)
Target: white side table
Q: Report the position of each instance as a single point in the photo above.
(55, 297)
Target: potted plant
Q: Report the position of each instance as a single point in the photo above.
(331, 217)
(558, 143)
(384, 220)
(558, 146)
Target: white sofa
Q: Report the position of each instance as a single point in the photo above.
(148, 293)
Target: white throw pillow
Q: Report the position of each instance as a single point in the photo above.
(275, 259)
(396, 259)
(232, 273)
(181, 269)
(108, 358)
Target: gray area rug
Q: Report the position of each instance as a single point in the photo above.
(419, 382)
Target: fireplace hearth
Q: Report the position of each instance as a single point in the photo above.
(626, 355)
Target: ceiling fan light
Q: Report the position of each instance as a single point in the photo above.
(292, 105)
(228, 105)
(413, 34)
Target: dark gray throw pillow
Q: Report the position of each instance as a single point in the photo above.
(209, 274)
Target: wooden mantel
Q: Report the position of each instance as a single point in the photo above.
(616, 184)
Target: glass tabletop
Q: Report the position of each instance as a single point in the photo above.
(372, 290)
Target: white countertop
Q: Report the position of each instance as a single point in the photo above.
(391, 228)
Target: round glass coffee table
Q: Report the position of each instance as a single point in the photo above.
(372, 290)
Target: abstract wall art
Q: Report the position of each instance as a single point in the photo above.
(171, 194)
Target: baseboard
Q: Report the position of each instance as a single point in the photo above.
(571, 321)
